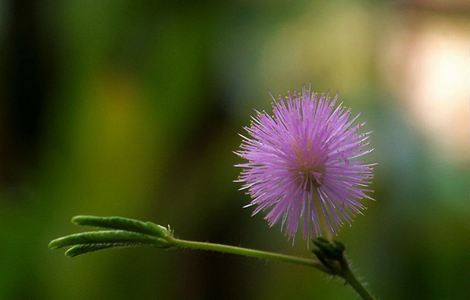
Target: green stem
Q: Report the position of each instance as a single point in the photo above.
(347, 274)
(248, 252)
(124, 232)
(356, 284)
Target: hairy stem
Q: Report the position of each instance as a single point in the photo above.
(346, 274)
(331, 255)
(356, 285)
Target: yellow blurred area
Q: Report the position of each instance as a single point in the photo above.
(329, 46)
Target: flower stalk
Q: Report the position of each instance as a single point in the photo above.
(124, 232)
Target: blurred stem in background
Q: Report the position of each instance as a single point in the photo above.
(125, 232)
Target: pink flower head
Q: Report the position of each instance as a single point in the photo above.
(304, 164)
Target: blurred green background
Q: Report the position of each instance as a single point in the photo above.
(132, 108)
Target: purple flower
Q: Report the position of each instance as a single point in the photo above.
(304, 164)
